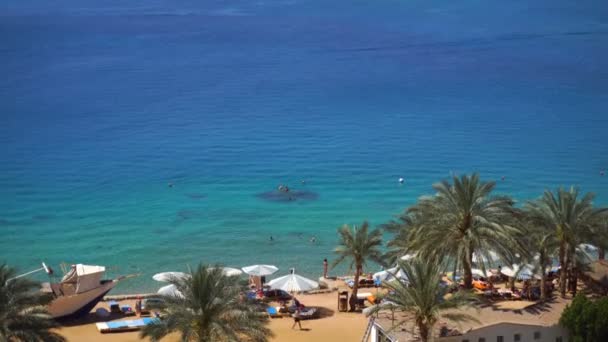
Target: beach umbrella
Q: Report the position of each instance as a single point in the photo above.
(525, 272)
(169, 276)
(489, 257)
(390, 274)
(509, 271)
(521, 272)
(293, 283)
(383, 275)
(260, 270)
(170, 290)
(229, 271)
(480, 273)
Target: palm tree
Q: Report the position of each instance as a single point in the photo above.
(570, 217)
(208, 307)
(23, 315)
(399, 245)
(358, 245)
(541, 241)
(424, 299)
(464, 219)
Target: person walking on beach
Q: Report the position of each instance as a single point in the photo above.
(325, 268)
(296, 319)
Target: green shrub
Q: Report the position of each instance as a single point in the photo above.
(586, 320)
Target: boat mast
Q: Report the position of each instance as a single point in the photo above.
(43, 268)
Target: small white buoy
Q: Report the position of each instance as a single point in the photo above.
(401, 180)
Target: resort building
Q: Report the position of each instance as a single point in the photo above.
(512, 322)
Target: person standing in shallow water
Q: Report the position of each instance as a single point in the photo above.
(324, 268)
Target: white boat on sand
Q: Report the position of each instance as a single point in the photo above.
(79, 290)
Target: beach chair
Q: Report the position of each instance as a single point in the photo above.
(308, 313)
(114, 307)
(121, 326)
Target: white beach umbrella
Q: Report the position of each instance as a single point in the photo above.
(480, 273)
(260, 270)
(168, 276)
(170, 290)
(293, 283)
(390, 274)
(229, 271)
(522, 272)
(383, 275)
(525, 272)
(509, 271)
(478, 257)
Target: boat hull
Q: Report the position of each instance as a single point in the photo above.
(77, 305)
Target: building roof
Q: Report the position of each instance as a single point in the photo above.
(598, 272)
(507, 312)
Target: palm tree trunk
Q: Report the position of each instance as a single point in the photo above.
(543, 277)
(353, 297)
(563, 270)
(543, 286)
(601, 254)
(574, 281)
(468, 275)
(512, 282)
(424, 332)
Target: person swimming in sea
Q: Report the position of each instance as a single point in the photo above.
(313, 239)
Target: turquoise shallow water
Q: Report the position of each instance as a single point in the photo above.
(103, 105)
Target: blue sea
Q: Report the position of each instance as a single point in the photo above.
(147, 135)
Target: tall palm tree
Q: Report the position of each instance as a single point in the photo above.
(208, 307)
(23, 315)
(424, 299)
(358, 245)
(570, 217)
(464, 219)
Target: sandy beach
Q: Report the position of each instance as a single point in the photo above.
(331, 326)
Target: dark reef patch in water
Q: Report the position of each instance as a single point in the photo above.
(288, 196)
(196, 196)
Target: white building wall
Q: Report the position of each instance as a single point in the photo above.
(508, 331)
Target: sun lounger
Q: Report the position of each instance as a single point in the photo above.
(308, 313)
(120, 326)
